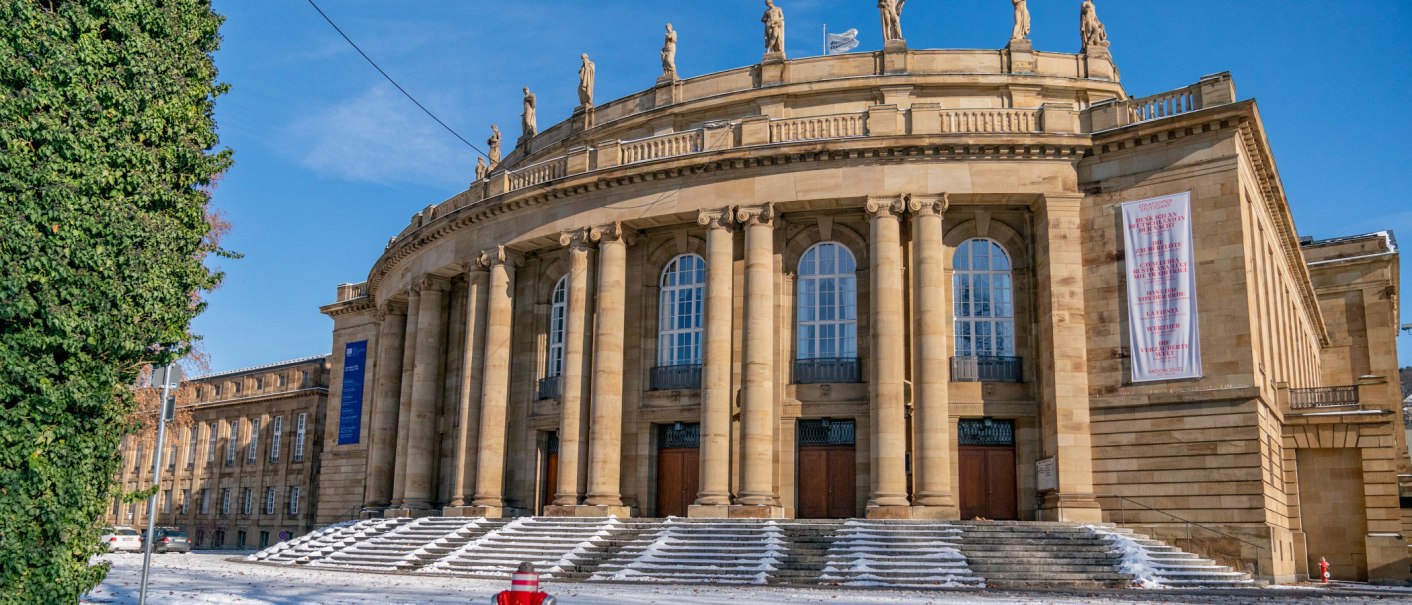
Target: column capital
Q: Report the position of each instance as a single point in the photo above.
(928, 204)
(430, 282)
(763, 214)
(499, 255)
(471, 265)
(719, 218)
(391, 307)
(885, 206)
(612, 232)
(577, 239)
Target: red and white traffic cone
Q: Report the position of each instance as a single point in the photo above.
(524, 589)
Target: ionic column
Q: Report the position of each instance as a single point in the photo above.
(887, 369)
(387, 385)
(931, 467)
(1063, 360)
(606, 428)
(757, 430)
(404, 399)
(569, 490)
(427, 383)
(495, 385)
(472, 370)
(716, 364)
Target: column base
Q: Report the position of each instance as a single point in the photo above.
(587, 510)
(371, 512)
(408, 513)
(1070, 508)
(489, 512)
(754, 511)
(708, 511)
(938, 513)
(889, 512)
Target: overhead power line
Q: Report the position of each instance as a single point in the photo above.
(394, 82)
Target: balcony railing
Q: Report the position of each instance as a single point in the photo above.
(827, 370)
(1323, 397)
(677, 377)
(986, 368)
(551, 387)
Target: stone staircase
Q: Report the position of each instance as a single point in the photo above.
(694, 551)
(1153, 561)
(300, 548)
(913, 554)
(554, 545)
(403, 547)
(1012, 554)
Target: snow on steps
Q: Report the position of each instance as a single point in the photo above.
(554, 545)
(898, 554)
(1033, 555)
(399, 548)
(300, 549)
(716, 551)
(1154, 564)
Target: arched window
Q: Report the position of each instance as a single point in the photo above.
(558, 309)
(984, 303)
(827, 315)
(679, 312)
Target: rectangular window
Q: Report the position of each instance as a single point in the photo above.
(247, 501)
(231, 442)
(282, 380)
(269, 500)
(205, 501)
(259, 383)
(217, 389)
(199, 392)
(137, 459)
(300, 427)
(131, 510)
(225, 501)
(240, 539)
(220, 538)
(192, 450)
(293, 501)
(185, 501)
(254, 447)
(304, 380)
(212, 434)
(276, 428)
(176, 449)
(166, 502)
(235, 387)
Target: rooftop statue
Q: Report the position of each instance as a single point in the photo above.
(669, 54)
(586, 80)
(529, 120)
(1090, 28)
(494, 143)
(774, 28)
(481, 168)
(891, 19)
(1022, 20)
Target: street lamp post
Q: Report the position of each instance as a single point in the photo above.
(170, 374)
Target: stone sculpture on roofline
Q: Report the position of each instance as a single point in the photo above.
(774, 30)
(891, 11)
(530, 121)
(1022, 20)
(494, 144)
(669, 54)
(1092, 31)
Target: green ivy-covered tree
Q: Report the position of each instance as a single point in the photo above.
(107, 154)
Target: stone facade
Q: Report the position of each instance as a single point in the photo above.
(775, 275)
(251, 434)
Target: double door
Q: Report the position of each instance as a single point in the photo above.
(827, 470)
(678, 468)
(986, 464)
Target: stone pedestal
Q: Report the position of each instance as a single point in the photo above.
(408, 513)
(489, 512)
(753, 511)
(667, 91)
(587, 510)
(889, 512)
(371, 513)
(708, 511)
(582, 119)
(1098, 64)
(1022, 60)
(772, 69)
(895, 57)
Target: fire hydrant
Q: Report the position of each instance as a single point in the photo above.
(1324, 569)
(524, 589)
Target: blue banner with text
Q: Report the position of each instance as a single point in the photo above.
(350, 415)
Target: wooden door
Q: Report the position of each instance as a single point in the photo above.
(827, 482)
(987, 476)
(550, 476)
(678, 480)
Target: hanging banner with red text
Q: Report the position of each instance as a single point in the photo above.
(1166, 340)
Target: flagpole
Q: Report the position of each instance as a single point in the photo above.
(826, 39)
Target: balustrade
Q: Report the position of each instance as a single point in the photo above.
(1000, 121)
(818, 127)
(542, 172)
(663, 146)
(1323, 397)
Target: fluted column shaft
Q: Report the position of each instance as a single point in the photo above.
(757, 434)
(931, 474)
(472, 371)
(404, 400)
(495, 386)
(888, 368)
(387, 386)
(606, 430)
(569, 489)
(716, 360)
(428, 379)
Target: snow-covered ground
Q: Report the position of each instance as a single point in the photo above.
(203, 578)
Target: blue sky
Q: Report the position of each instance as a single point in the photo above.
(331, 160)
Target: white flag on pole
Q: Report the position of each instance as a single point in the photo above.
(844, 42)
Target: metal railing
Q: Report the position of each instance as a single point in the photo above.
(827, 370)
(987, 368)
(1190, 544)
(551, 387)
(1323, 397)
(676, 377)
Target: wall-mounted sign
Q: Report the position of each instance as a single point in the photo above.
(1047, 474)
(1162, 319)
(350, 413)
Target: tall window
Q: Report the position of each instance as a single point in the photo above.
(192, 451)
(254, 447)
(225, 501)
(683, 294)
(300, 424)
(558, 312)
(275, 429)
(205, 501)
(269, 500)
(213, 434)
(828, 303)
(247, 501)
(984, 304)
(293, 500)
(231, 442)
(185, 501)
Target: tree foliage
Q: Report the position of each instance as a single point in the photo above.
(107, 153)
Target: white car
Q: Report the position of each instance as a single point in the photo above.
(122, 539)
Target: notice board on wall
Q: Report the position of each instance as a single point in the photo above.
(1161, 276)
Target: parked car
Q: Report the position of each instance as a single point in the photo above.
(122, 539)
(170, 539)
